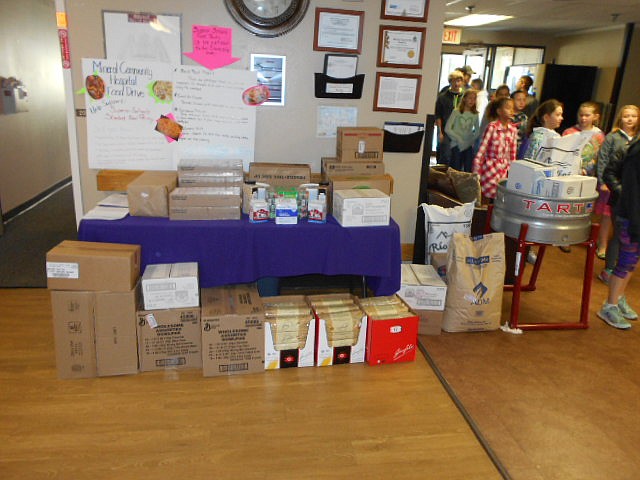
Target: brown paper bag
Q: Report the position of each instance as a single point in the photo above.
(475, 282)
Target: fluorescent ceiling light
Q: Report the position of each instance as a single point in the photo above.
(475, 20)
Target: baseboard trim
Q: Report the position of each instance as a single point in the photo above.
(20, 209)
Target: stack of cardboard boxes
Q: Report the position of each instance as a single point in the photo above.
(207, 190)
(358, 166)
(94, 296)
(110, 321)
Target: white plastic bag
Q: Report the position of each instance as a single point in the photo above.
(441, 223)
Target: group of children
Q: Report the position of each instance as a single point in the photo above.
(489, 147)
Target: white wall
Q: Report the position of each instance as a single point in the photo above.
(283, 134)
(34, 150)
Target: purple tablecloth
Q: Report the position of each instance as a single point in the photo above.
(236, 251)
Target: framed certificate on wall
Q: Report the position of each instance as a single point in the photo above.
(400, 46)
(396, 92)
(410, 10)
(338, 30)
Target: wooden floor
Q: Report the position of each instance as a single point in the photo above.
(349, 421)
(552, 405)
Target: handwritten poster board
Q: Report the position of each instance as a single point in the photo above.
(128, 101)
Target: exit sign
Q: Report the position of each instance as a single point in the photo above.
(451, 35)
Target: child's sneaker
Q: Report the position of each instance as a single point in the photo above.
(612, 316)
(605, 275)
(626, 311)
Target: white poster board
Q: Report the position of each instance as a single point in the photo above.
(126, 102)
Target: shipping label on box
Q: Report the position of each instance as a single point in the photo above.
(116, 332)
(392, 340)
(361, 208)
(93, 266)
(169, 339)
(74, 334)
(232, 330)
(170, 285)
(421, 287)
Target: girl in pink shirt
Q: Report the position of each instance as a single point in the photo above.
(498, 148)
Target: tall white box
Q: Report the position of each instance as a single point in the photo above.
(170, 285)
(361, 207)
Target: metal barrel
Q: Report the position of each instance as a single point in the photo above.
(554, 221)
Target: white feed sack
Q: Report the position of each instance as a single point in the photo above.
(441, 223)
(475, 282)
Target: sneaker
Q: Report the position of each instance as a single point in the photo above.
(605, 276)
(612, 316)
(532, 257)
(626, 311)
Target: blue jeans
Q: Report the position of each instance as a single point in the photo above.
(461, 161)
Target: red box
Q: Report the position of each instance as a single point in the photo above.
(392, 340)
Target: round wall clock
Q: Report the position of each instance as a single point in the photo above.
(267, 18)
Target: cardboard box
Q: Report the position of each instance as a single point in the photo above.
(253, 190)
(169, 339)
(148, 194)
(569, 186)
(439, 262)
(384, 183)
(116, 333)
(429, 321)
(232, 330)
(205, 213)
(359, 144)
(74, 265)
(361, 208)
(528, 177)
(326, 354)
(589, 187)
(210, 165)
(392, 340)
(331, 168)
(421, 287)
(73, 333)
(275, 358)
(170, 285)
(210, 180)
(205, 197)
(279, 174)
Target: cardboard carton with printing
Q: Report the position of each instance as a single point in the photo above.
(170, 285)
(279, 174)
(232, 330)
(74, 334)
(289, 332)
(341, 329)
(75, 265)
(361, 208)
(169, 338)
(359, 144)
(116, 332)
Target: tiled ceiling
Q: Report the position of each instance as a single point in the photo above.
(550, 16)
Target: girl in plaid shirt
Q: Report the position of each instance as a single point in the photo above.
(498, 147)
